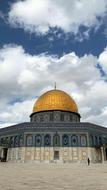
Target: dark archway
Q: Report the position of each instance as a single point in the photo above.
(4, 154)
(56, 155)
(105, 153)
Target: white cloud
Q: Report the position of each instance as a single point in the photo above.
(18, 112)
(103, 60)
(39, 15)
(23, 77)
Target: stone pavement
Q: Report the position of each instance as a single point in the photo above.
(33, 176)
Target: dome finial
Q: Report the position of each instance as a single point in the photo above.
(55, 85)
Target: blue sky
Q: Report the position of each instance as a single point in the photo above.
(36, 44)
(43, 41)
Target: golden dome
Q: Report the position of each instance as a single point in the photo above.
(55, 100)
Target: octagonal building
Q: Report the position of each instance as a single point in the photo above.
(54, 134)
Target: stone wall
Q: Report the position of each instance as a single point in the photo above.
(46, 154)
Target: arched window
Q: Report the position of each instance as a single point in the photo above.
(41, 118)
(96, 141)
(62, 116)
(1, 141)
(56, 140)
(74, 141)
(38, 140)
(91, 140)
(100, 141)
(12, 142)
(83, 141)
(6, 141)
(77, 119)
(38, 118)
(29, 140)
(21, 140)
(16, 141)
(47, 140)
(65, 140)
(71, 117)
(51, 117)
